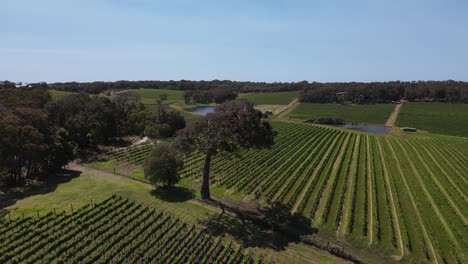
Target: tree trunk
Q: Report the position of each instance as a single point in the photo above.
(205, 189)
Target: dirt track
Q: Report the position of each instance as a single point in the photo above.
(393, 117)
(286, 107)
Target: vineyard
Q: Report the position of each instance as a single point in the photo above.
(405, 196)
(115, 230)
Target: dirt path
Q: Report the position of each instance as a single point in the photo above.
(74, 166)
(393, 117)
(281, 110)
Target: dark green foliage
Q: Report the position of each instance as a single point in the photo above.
(26, 97)
(326, 121)
(218, 95)
(234, 124)
(164, 124)
(29, 147)
(89, 121)
(355, 92)
(39, 136)
(163, 165)
(314, 92)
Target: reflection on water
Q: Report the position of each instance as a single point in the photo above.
(203, 110)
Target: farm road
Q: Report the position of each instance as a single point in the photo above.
(286, 107)
(393, 117)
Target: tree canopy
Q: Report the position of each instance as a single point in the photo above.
(38, 135)
(233, 125)
(163, 165)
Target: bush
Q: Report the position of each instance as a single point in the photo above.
(163, 165)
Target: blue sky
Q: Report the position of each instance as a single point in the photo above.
(325, 40)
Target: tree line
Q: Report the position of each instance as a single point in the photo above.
(358, 92)
(38, 136)
(444, 91)
(216, 95)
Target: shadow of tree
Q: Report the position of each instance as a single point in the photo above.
(271, 227)
(9, 196)
(173, 194)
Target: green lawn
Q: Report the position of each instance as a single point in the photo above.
(276, 98)
(150, 96)
(81, 190)
(372, 114)
(56, 95)
(439, 118)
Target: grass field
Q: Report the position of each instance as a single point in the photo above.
(402, 196)
(372, 114)
(56, 95)
(439, 118)
(276, 98)
(150, 96)
(96, 187)
(115, 230)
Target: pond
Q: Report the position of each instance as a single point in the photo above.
(203, 110)
(367, 128)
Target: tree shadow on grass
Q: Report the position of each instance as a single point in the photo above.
(272, 227)
(173, 194)
(9, 196)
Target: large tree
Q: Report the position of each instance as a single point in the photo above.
(163, 165)
(234, 125)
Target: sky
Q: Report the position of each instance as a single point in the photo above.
(262, 40)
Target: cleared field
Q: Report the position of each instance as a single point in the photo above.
(402, 196)
(115, 230)
(56, 95)
(372, 114)
(439, 118)
(150, 96)
(276, 98)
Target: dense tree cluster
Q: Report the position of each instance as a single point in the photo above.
(164, 124)
(39, 136)
(217, 95)
(183, 85)
(449, 91)
(30, 144)
(359, 92)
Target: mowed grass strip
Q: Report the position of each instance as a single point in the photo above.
(150, 96)
(274, 98)
(372, 114)
(439, 118)
(57, 95)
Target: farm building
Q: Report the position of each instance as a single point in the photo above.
(409, 129)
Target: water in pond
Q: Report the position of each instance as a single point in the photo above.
(203, 110)
(367, 128)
